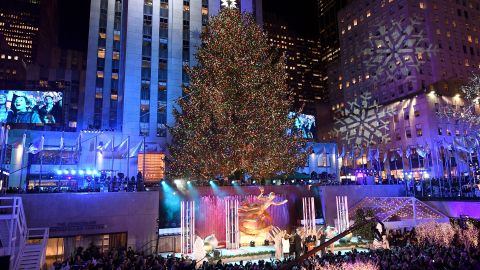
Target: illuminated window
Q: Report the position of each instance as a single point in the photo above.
(469, 38)
(355, 22)
(99, 74)
(101, 53)
(422, 5)
(369, 13)
(418, 130)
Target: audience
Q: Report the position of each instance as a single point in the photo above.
(406, 253)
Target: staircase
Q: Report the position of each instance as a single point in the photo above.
(26, 247)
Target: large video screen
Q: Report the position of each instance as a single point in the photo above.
(31, 107)
(304, 125)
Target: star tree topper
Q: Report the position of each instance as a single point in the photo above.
(229, 3)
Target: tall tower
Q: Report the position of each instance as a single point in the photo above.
(19, 23)
(136, 53)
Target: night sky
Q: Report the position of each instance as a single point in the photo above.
(73, 21)
(301, 16)
(74, 16)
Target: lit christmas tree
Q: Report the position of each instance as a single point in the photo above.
(234, 118)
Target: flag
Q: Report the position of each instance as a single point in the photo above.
(369, 154)
(104, 146)
(37, 145)
(400, 152)
(385, 156)
(377, 155)
(136, 149)
(24, 140)
(421, 152)
(342, 155)
(62, 143)
(408, 153)
(122, 147)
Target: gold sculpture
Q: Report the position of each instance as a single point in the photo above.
(254, 218)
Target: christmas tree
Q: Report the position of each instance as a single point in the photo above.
(234, 117)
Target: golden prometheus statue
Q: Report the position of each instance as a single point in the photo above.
(254, 218)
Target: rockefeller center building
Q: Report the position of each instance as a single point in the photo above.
(412, 56)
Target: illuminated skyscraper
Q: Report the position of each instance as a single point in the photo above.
(19, 23)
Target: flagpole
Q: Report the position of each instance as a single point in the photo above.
(128, 157)
(1, 154)
(4, 155)
(21, 163)
(144, 158)
(113, 155)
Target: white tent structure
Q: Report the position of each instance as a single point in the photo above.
(399, 212)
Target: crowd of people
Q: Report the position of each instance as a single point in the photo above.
(405, 252)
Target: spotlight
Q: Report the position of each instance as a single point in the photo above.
(188, 182)
(94, 172)
(310, 181)
(293, 181)
(89, 172)
(59, 172)
(254, 182)
(233, 182)
(274, 181)
(81, 172)
(211, 182)
(73, 172)
(162, 182)
(177, 181)
(65, 171)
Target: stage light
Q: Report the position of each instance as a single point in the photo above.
(59, 172)
(94, 172)
(89, 172)
(310, 181)
(188, 182)
(65, 171)
(177, 181)
(73, 172)
(81, 172)
(274, 181)
(254, 182)
(426, 175)
(162, 182)
(233, 182)
(293, 181)
(174, 193)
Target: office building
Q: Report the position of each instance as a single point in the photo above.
(302, 64)
(412, 56)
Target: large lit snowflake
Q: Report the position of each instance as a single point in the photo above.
(363, 122)
(394, 50)
(229, 3)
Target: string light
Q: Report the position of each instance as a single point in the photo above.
(236, 117)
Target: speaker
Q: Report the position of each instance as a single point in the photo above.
(216, 254)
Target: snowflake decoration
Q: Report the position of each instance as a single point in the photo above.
(394, 51)
(229, 3)
(363, 122)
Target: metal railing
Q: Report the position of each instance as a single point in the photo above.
(39, 236)
(11, 211)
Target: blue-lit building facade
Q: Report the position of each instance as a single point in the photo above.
(134, 74)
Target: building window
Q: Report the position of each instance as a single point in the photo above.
(408, 133)
(418, 129)
(323, 160)
(440, 131)
(406, 114)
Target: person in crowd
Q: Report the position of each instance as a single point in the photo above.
(23, 112)
(50, 112)
(4, 111)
